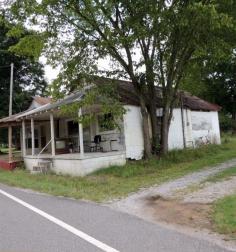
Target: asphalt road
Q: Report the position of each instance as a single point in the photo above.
(67, 225)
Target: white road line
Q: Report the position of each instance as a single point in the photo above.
(62, 224)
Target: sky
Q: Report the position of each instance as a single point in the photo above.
(50, 72)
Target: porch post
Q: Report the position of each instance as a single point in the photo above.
(10, 154)
(32, 137)
(52, 135)
(81, 137)
(23, 138)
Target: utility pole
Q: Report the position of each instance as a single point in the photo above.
(10, 157)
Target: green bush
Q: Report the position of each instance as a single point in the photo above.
(226, 123)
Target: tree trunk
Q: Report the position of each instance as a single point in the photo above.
(146, 135)
(154, 124)
(165, 130)
(152, 107)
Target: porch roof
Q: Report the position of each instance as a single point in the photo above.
(44, 108)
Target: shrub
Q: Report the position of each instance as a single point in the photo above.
(226, 123)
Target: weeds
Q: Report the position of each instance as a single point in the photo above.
(115, 182)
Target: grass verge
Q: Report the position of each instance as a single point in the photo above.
(116, 182)
(224, 215)
(6, 150)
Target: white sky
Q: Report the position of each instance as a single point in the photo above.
(52, 73)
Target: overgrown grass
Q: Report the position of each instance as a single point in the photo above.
(6, 150)
(224, 215)
(116, 182)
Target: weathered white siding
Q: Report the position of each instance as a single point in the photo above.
(197, 124)
(198, 127)
(175, 140)
(205, 125)
(133, 133)
(188, 128)
(216, 127)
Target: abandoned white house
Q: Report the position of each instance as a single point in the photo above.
(50, 137)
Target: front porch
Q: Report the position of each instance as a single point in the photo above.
(76, 164)
(67, 146)
(48, 136)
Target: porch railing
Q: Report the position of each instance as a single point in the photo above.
(38, 156)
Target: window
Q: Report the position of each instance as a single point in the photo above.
(106, 122)
(73, 128)
(29, 138)
(29, 143)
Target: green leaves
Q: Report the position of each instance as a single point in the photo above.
(17, 31)
(122, 29)
(29, 45)
(155, 39)
(28, 74)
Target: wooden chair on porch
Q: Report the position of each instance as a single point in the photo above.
(96, 144)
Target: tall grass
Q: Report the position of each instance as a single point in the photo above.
(224, 215)
(115, 182)
(171, 160)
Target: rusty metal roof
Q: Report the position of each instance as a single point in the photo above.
(44, 108)
(42, 100)
(195, 103)
(126, 94)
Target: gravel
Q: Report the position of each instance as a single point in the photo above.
(134, 203)
(212, 191)
(137, 203)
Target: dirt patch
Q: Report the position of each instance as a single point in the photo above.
(183, 204)
(193, 215)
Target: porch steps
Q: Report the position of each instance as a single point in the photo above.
(43, 166)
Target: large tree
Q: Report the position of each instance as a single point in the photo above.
(212, 72)
(221, 86)
(216, 83)
(28, 75)
(148, 42)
